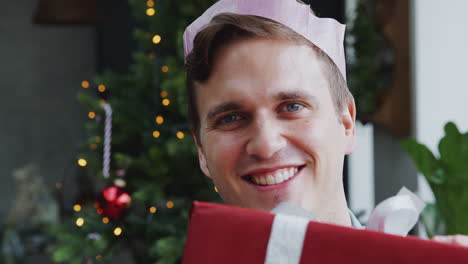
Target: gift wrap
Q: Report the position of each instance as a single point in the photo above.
(227, 234)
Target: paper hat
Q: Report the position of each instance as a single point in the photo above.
(325, 33)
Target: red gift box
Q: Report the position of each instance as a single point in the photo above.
(227, 234)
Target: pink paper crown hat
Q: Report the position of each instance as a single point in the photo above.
(325, 33)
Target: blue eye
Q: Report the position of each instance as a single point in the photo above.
(293, 107)
(229, 119)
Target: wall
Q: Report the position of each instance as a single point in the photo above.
(41, 69)
(440, 66)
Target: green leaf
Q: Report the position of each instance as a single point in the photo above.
(453, 148)
(425, 161)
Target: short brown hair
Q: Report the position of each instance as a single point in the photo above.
(228, 28)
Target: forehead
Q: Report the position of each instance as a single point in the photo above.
(257, 53)
(263, 65)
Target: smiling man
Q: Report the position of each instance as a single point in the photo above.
(271, 114)
(269, 107)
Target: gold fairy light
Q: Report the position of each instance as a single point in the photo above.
(157, 39)
(150, 3)
(180, 135)
(91, 115)
(101, 88)
(118, 231)
(164, 94)
(166, 102)
(156, 134)
(85, 84)
(164, 68)
(216, 189)
(170, 204)
(80, 221)
(105, 220)
(82, 162)
(153, 209)
(77, 208)
(159, 120)
(150, 11)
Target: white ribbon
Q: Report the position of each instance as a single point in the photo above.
(396, 215)
(286, 239)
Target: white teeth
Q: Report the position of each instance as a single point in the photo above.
(282, 177)
(256, 180)
(278, 177)
(270, 179)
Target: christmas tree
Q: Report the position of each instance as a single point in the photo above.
(139, 163)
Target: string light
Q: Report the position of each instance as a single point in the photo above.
(105, 220)
(91, 115)
(102, 101)
(180, 135)
(170, 204)
(150, 3)
(82, 162)
(98, 257)
(99, 210)
(118, 231)
(150, 11)
(166, 102)
(77, 208)
(156, 39)
(156, 134)
(216, 189)
(101, 88)
(153, 209)
(93, 146)
(58, 185)
(97, 139)
(164, 94)
(80, 222)
(85, 84)
(159, 120)
(165, 68)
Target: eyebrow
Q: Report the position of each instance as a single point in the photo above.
(221, 108)
(294, 95)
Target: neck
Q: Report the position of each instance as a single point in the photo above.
(335, 212)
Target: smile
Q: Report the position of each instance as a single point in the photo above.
(273, 177)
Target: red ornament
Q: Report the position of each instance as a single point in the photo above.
(115, 202)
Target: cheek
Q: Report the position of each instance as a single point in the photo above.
(222, 153)
(316, 135)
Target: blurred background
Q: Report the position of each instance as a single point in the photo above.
(97, 165)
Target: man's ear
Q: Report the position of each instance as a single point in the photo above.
(348, 119)
(201, 156)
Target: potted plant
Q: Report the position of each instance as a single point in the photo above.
(447, 176)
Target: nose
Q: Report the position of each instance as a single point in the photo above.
(265, 139)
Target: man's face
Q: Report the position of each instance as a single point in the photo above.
(269, 131)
